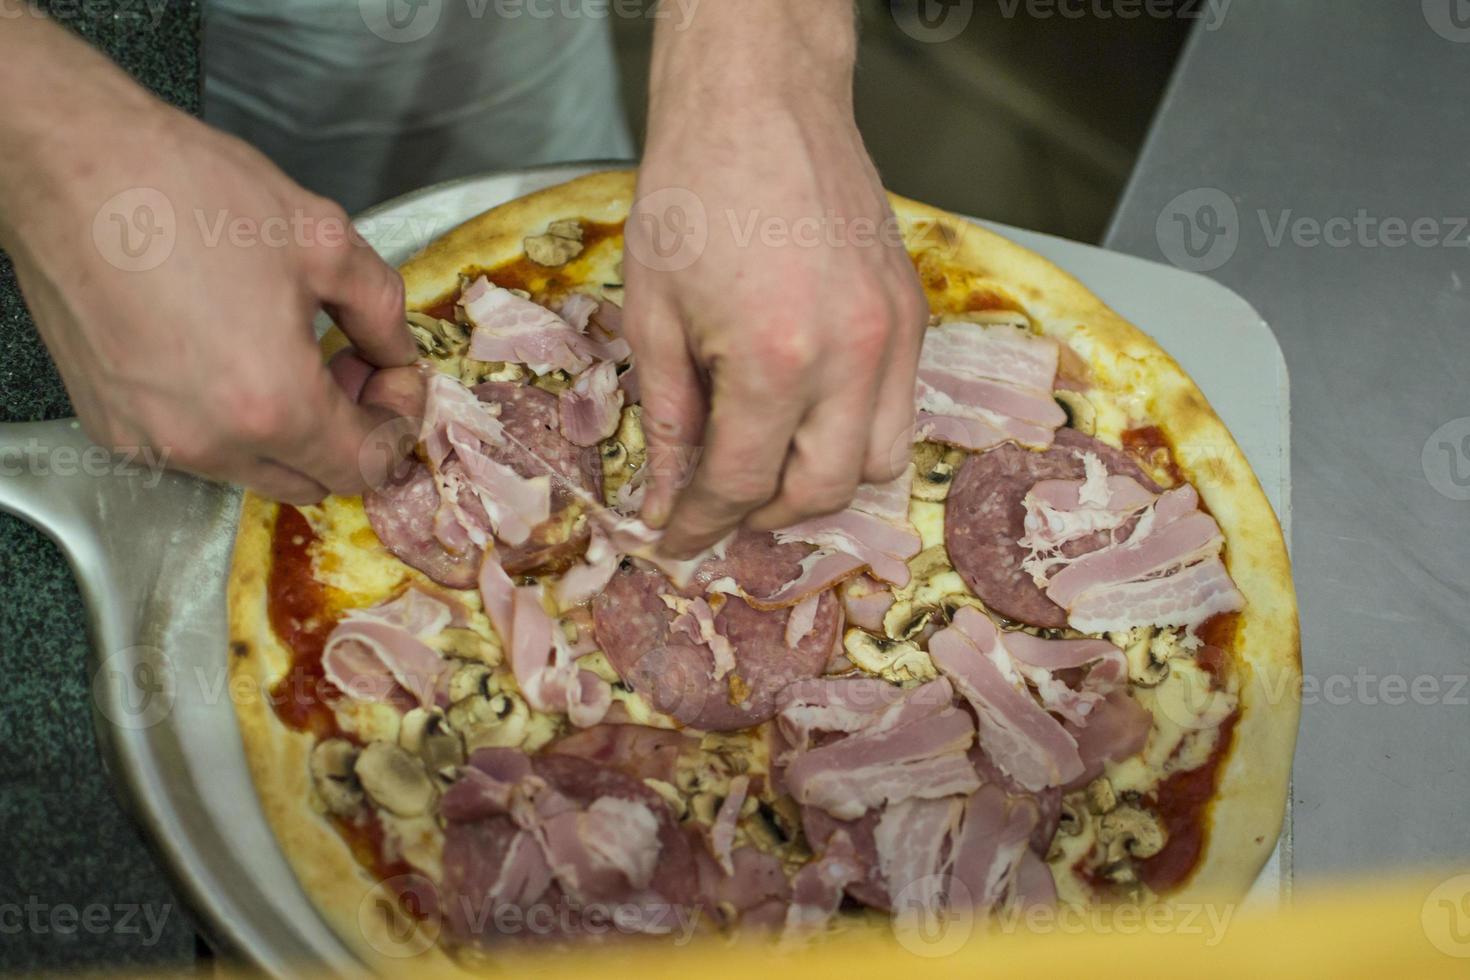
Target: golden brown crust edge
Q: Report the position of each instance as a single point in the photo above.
(1246, 817)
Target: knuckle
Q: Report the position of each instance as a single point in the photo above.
(254, 415)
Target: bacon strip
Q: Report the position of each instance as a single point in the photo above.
(982, 385)
(510, 328)
(875, 528)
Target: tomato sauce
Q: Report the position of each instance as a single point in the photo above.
(1151, 446)
(296, 604)
(1180, 802)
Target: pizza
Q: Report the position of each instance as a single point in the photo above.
(1044, 666)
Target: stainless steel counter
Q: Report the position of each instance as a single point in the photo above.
(1314, 156)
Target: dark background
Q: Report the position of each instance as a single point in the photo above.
(1031, 120)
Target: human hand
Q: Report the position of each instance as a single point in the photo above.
(208, 355)
(785, 353)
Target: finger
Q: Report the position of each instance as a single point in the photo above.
(890, 443)
(364, 295)
(826, 461)
(401, 390)
(748, 437)
(673, 405)
(265, 477)
(337, 443)
(350, 371)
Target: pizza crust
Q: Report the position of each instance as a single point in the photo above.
(1245, 819)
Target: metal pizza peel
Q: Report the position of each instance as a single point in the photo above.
(151, 550)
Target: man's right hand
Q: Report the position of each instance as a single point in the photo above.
(174, 274)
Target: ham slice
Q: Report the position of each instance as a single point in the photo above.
(816, 891)
(722, 833)
(540, 657)
(875, 529)
(590, 409)
(912, 841)
(982, 385)
(478, 495)
(375, 653)
(508, 327)
(989, 848)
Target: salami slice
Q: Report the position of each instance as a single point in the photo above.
(532, 421)
(633, 626)
(402, 514)
(984, 517)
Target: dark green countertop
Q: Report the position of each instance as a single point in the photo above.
(79, 890)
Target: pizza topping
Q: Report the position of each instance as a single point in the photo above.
(561, 243)
(911, 839)
(402, 513)
(1025, 741)
(802, 619)
(394, 780)
(898, 661)
(722, 830)
(1121, 581)
(1081, 413)
(817, 889)
(696, 621)
(590, 409)
(874, 528)
(377, 654)
(435, 337)
(982, 385)
(866, 601)
(425, 733)
(895, 748)
(935, 465)
(332, 774)
(992, 839)
(488, 719)
(984, 520)
(508, 327)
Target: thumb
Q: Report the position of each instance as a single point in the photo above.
(364, 295)
(674, 405)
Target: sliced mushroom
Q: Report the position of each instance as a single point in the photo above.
(436, 337)
(469, 680)
(394, 780)
(1100, 795)
(466, 644)
(494, 721)
(554, 382)
(426, 733)
(332, 775)
(1081, 415)
(561, 243)
(1073, 817)
(1132, 831)
(704, 806)
(624, 454)
(1144, 668)
(934, 468)
(904, 619)
(899, 661)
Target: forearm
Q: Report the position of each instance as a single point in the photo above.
(57, 133)
(723, 53)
